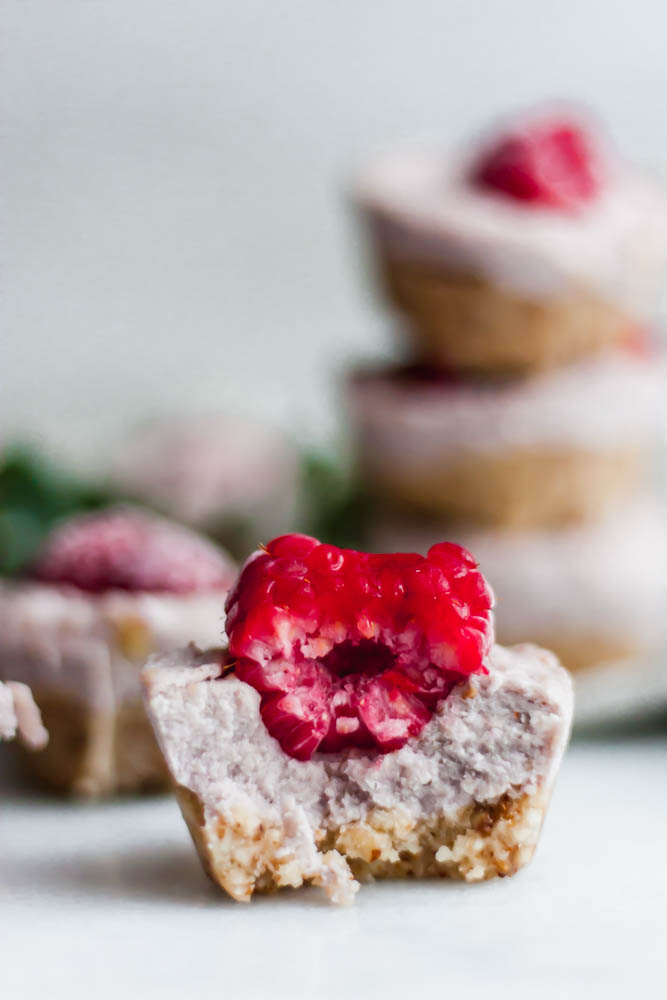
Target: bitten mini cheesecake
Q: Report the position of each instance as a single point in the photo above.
(234, 478)
(106, 591)
(593, 593)
(537, 248)
(361, 725)
(561, 446)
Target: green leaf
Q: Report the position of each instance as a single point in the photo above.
(34, 494)
(337, 509)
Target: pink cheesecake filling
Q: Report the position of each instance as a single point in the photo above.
(351, 649)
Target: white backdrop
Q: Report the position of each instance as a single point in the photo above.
(175, 232)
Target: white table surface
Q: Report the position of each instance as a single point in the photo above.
(109, 900)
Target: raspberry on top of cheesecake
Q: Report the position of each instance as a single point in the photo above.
(552, 163)
(351, 649)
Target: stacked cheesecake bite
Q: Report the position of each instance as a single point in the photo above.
(521, 419)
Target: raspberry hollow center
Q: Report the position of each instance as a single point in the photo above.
(349, 649)
(364, 657)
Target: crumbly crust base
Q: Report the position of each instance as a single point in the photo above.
(93, 753)
(522, 488)
(485, 840)
(471, 325)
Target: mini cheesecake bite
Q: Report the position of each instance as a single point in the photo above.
(523, 453)
(362, 724)
(105, 591)
(538, 247)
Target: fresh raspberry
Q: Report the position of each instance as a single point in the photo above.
(126, 549)
(351, 649)
(547, 163)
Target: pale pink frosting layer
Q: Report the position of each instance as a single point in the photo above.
(602, 405)
(92, 646)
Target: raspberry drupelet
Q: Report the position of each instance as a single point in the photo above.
(349, 649)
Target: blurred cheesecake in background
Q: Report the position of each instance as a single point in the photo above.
(19, 716)
(560, 447)
(105, 591)
(234, 478)
(592, 593)
(535, 247)
(523, 413)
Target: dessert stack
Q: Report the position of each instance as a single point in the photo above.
(521, 416)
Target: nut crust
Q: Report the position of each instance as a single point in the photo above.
(522, 488)
(485, 840)
(471, 325)
(93, 753)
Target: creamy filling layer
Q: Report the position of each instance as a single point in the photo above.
(495, 733)
(407, 422)
(93, 646)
